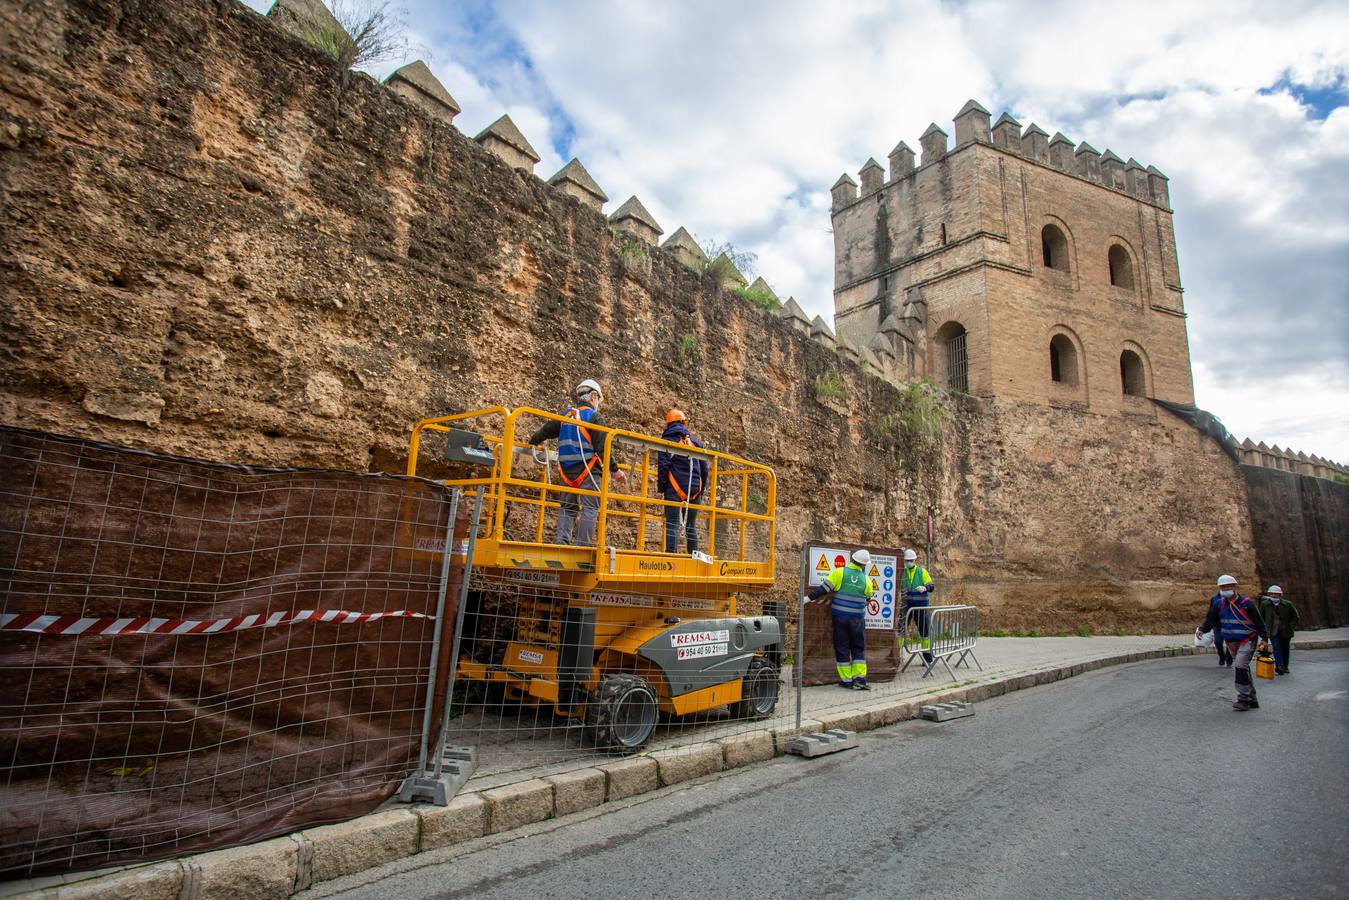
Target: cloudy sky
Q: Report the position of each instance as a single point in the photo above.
(733, 119)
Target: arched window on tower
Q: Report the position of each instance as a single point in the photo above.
(954, 359)
(1062, 360)
(1131, 374)
(1121, 268)
(1054, 248)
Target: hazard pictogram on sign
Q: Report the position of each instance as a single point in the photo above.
(823, 564)
(875, 572)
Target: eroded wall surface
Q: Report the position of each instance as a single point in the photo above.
(211, 250)
(1301, 527)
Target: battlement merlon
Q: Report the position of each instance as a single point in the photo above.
(872, 175)
(844, 191)
(972, 124)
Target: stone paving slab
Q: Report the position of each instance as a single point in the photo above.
(283, 866)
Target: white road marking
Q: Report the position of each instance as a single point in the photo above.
(1331, 695)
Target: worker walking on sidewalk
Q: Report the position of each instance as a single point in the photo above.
(918, 587)
(851, 589)
(1237, 622)
(681, 480)
(1281, 619)
(579, 453)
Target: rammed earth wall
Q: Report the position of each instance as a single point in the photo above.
(207, 251)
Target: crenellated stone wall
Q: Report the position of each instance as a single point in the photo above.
(211, 248)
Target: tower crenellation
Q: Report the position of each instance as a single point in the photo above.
(1061, 152)
(933, 142)
(1035, 143)
(872, 175)
(972, 124)
(1013, 264)
(901, 161)
(1007, 133)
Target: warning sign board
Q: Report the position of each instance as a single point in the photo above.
(824, 560)
(881, 611)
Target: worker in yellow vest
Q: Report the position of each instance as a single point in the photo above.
(917, 586)
(851, 589)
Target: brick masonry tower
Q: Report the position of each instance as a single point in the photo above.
(1014, 265)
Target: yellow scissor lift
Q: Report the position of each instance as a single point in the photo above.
(615, 632)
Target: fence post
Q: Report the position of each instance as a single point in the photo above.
(414, 785)
(463, 760)
(432, 786)
(798, 666)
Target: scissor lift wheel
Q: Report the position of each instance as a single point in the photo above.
(759, 690)
(622, 714)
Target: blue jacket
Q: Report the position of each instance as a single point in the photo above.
(688, 473)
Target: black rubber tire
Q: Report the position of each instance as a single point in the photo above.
(622, 714)
(759, 688)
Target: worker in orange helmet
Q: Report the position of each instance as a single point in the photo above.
(680, 478)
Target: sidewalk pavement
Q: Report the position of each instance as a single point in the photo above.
(529, 774)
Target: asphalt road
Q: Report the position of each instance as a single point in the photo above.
(1133, 781)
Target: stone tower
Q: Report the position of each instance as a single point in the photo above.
(1016, 266)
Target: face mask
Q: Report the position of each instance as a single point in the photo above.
(910, 564)
(1226, 594)
(1276, 600)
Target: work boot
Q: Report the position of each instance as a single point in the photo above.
(860, 684)
(846, 685)
(1243, 704)
(1229, 663)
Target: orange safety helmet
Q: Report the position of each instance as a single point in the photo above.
(675, 415)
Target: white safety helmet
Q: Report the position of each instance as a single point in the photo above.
(1275, 591)
(587, 387)
(1226, 581)
(910, 555)
(861, 557)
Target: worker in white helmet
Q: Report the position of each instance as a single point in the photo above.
(1237, 622)
(850, 588)
(580, 450)
(1281, 619)
(918, 588)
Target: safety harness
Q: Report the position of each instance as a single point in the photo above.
(683, 494)
(574, 420)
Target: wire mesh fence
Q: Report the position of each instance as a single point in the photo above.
(196, 655)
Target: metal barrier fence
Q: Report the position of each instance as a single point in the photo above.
(934, 634)
(196, 655)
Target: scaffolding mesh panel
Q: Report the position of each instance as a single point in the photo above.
(196, 655)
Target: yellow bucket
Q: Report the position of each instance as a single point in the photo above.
(1264, 666)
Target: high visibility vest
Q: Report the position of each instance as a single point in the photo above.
(913, 578)
(850, 600)
(575, 449)
(1234, 620)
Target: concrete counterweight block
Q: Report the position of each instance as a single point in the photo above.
(821, 743)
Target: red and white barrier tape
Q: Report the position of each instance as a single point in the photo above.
(74, 625)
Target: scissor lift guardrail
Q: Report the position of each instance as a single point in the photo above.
(739, 501)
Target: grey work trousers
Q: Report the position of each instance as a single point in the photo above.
(576, 518)
(1242, 653)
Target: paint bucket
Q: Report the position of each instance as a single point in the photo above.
(1264, 666)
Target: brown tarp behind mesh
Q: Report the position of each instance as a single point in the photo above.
(139, 746)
